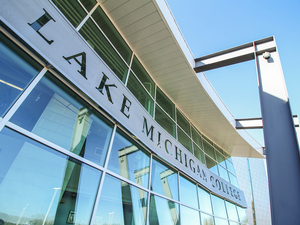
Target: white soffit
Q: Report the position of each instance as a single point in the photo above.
(151, 31)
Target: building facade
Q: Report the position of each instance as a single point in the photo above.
(104, 121)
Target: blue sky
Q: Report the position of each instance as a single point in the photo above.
(215, 25)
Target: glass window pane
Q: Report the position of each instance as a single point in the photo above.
(166, 122)
(204, 200)
(230, 167)
(233, 223)
(198, 153)
(189, 216)
(52, 112)
(233, 180)
(163, 212)
(209, 150)
(88, 4)
(207, 219)
(223, 173)
(218, 206)
(188, 192)
(183, 123)
(165, 103)
(121, 203)
(231, 210)
(140, 93)
(38, 184)
(71, 10)
(242, 215)
(219, 221)
(17, 70)
(184, 140)
(221, 159)
(129, 160)
(143, 76)
(112, 33)
(197, 138)
(164, 179)
(99, 43)
(211, 165)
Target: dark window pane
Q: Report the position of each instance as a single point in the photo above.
(184, 140)
(143, 76)
(208, 149)
(198, 153)
(211, 165)
(112, 34)
(221, 159)
(99, 43)
(129, 160)
(140, 93)
(183, 123)
(57, 114)
(88, 4)
(164, 180)
(41, 186)
(197, 138)
(163, 212)
(121, 203)
(17, 70)
(72, 10)
(165, 103)
(166, 122)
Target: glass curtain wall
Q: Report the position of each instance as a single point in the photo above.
(65, 162)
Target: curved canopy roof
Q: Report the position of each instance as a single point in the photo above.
(152, 33)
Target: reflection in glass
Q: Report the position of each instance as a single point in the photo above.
(140, 93)
(129, 160)
(121, 203)
(164, 180)
(165, 121)
(230, 167)
(58, 115)
(231, 211)
(211, 165)
(219, 221)
(188, 192)
(233, 180)
(223, 173)
(207, 219)
(163, 212)
(204, 200)
(17, 69)
(41, 186)
(221, 159)
(189, 216)
(218, 206)
(242, 215)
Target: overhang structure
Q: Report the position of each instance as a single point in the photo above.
(152, 33)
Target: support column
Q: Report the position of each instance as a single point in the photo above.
(282, 151)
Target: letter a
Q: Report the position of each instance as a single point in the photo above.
(82, 64)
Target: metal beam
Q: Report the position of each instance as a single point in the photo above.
(256, 123)
(282, 151)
